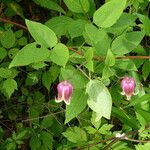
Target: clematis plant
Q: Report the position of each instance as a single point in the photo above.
(65, 90)
(128, 86)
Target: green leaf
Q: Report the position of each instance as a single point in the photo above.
(46, 139)
(78, 6)
(109, 13)
(145, 146)
(3, 53)
(77, 105)
(59, 24)
(42, 34)
(125, 64)
(49, 4)
(30, 54)
(146, 22)
(110, 58)
(127, 42)
(8, 73)
(78, 80)
(137, 101)
(125, 118)
(95, 37)
(47, 122)
(99, 99)
(9, 86)
(105, 128)
(16, 8)
(60, 54)
(125, 21)
(89, 56)
(76, 28)
(35, 142)
(8, 39)
(146, 69)
(75, 135)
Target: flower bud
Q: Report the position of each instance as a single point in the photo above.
(128, 86)
(64, 90)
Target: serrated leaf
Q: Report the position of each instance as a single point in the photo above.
(77, 105)
(30, 54)
(146, 69)
(104, 17)
(9, 86)
(75, 135)
(3, 53)
(99, 99)
(60, 54)
(42, 34)
(78, 6)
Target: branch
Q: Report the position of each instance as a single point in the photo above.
(98, 58)
(14, 23)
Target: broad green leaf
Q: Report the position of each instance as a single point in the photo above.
(77, 105)
(76, 28)
(125, 64)
(107, 72)
(78, 6)
(75, 135)
(42, 34)
(12, 52)
(125, 21)
(145, 146)
(89, 56)
(139, 100)
(78, 80)
(110, 58)
(127, 42)
(35, 142)
(146, 69)
(109, 13)
(3, 53)
(125, 118)
(105, 129)
(90, 65)
(95, 37)
(47, 122)
(9, 86)
(59, 24)
(99, 99)
(50, 76)
(47, 139)
(146, 22)
(49, 4)
(60, 54)
(30, 54)
(8, 39)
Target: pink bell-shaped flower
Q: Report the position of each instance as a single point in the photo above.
(128, 86)
(65, 90)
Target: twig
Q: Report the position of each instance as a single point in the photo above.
(14, 23)
(31, 119)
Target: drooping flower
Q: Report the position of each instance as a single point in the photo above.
(128, 86)
(65, 90)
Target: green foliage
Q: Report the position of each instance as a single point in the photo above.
(104, 17)
(90, 43)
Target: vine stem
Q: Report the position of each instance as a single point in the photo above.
(14, 23)
(117, 57)
(97, 58)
